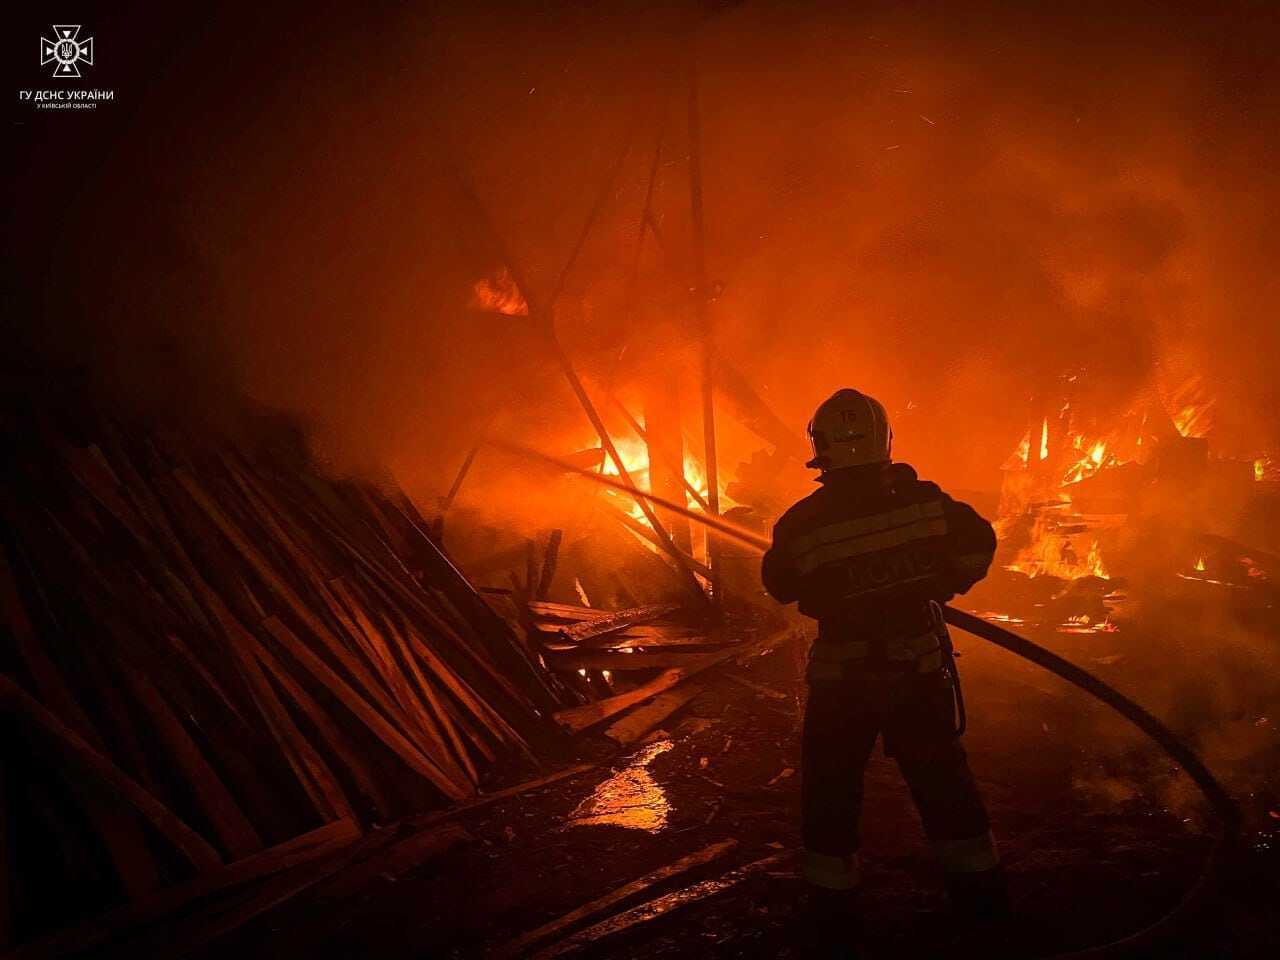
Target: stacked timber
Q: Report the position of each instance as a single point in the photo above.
(214, 657)
(632, 668)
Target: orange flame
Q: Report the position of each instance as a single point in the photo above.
(1192, 408)
(1052, 553)
(499, 294)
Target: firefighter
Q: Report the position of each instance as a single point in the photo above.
(871, 555)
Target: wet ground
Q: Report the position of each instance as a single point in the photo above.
(1100, 836)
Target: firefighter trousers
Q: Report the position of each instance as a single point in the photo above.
(849, 707)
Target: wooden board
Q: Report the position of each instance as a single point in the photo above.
(642, 719)
(362, 709)
(233, 829)
(577, 719)
(520, 945)
(314, 845)
(566, 612)
(122, 835)
(104, 775)
(574, 659)
(659, 906)
(614, 622)
(207, 926)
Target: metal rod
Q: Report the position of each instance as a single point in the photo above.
(719, 524)
(643, 434)
(463, 470)
(627, 483)
(702, 314)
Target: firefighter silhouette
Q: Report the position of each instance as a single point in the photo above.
(871, 555)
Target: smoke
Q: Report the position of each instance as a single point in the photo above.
(952, 209)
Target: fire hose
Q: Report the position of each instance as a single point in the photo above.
(1221, 802)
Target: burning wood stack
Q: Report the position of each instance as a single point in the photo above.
(217, 663)
(1086, 509)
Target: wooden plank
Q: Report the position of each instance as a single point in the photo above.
(642, 719)
(397, 677)
(568, 612)
(308, 847)
(105, 775)
(475, 733)
(234, 831)
(623, 641)
(672, 631)
(202, 672)
(352, 700)
(122, 834)
(201, 929)
(549, 560)
(506, 793)
(493, 631)
(309, 769)
(460, 689)
(519, 945)
(325, 726)
(760, 688)
(439, 709)
(615, 622)
(149, 507)
(416, 600)
(574, 659)
(658, 907)
(416, 846)
(577, 719)
(650, 640)
(264, 568)
(132, 614)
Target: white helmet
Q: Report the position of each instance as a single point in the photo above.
(849, 429)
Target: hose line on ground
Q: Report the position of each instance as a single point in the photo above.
(1224, 807)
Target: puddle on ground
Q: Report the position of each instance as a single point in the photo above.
(630, 798)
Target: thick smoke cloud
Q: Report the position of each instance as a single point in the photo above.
(952, 207)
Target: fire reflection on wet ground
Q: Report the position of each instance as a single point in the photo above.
(630, 798)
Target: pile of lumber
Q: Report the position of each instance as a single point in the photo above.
(211, 650)
(632, 668)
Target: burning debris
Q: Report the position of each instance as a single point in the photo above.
(1080, 507)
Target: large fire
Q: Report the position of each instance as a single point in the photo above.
(1054, 458)
(634, 454)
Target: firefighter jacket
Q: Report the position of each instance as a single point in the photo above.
(870, 554)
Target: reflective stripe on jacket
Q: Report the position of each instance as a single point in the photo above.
(867, 552)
